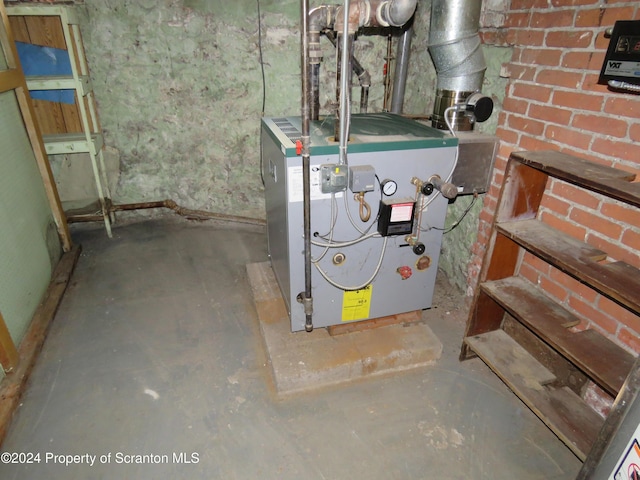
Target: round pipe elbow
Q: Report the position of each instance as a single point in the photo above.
(322, 17)
(396, 13)
(365, 79)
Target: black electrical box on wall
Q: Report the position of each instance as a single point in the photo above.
(622, 61)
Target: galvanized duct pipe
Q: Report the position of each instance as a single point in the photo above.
(454, 45)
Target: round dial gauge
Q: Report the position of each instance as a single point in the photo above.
(389, 187)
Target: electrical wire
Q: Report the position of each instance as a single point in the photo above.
(457, 222)
(260, 54)
(424, 206)
(332, 244)
(353, 223)
(375, 220)
(364, 209)
(264, 87)
(334, 218)
(455, 164)
(363, 285)
(363, 233)
(348, 243)
(448, 121)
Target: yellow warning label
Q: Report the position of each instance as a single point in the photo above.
(356, 304)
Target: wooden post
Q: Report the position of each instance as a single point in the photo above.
(8, 351)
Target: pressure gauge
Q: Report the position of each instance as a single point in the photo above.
(389, 187)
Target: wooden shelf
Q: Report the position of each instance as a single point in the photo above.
(617, 280)
(545, 362)
(71, 143)
(611, 182)
(60, 82)
(551, 322)
(58, 26)
(564, 412)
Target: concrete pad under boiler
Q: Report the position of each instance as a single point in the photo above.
(304, 361)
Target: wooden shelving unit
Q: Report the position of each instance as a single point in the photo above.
(67, 129)
(523, 334)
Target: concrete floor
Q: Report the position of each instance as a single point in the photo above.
(156, 350)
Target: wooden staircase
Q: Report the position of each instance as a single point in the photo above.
(524, 335)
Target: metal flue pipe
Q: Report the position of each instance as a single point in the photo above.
(306, 297)
(454, 45)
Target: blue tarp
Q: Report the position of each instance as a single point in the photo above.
(37, 60)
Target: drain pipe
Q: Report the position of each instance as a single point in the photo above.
(454, 45)
(402, 68)
(306, 297)
(320, 18)
(364, 77)
(361, 13)
(364, 13)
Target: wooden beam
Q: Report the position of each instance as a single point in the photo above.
(9, 80)
(13, 384)
(8, 351)
(399, 318)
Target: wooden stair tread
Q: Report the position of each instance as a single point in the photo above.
(549, 321)
(608, 181)
(564, 412)
(617, 280)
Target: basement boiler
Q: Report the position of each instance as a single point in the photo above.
(376, 222)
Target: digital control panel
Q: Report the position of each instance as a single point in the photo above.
(622, 61)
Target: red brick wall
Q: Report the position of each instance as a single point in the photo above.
(553, 101)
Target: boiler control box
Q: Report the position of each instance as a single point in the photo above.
(395, 217)
(362, 178)
(333, 178)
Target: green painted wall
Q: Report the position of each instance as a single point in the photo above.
(179, 87)
(456, 247)
(28, 238)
